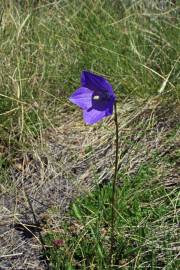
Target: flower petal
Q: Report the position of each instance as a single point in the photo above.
(82, 97)
(109, 109)
(95, 82)
(92, 116)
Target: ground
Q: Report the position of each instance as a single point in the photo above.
(72, 159)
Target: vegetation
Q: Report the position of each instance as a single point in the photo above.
(145, 227)
(147, 202)
(44, 46)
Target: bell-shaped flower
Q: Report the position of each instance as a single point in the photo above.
(95, 97)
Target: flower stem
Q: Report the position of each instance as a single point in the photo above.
(113, 199)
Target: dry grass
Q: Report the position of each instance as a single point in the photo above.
(73, 159)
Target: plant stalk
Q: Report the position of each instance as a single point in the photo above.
(113, 199)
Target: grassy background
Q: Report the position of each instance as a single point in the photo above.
(44, 45)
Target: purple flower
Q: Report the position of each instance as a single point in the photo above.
(95, 97)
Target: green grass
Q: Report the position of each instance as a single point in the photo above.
(146, 227)
(44, 49)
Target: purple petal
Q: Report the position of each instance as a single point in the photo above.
(95, 82)
(92, 116)
(82, 97)
(109, 109)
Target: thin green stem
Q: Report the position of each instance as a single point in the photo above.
(113, 199)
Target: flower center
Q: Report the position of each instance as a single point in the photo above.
(100, 100)
(96, 97)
